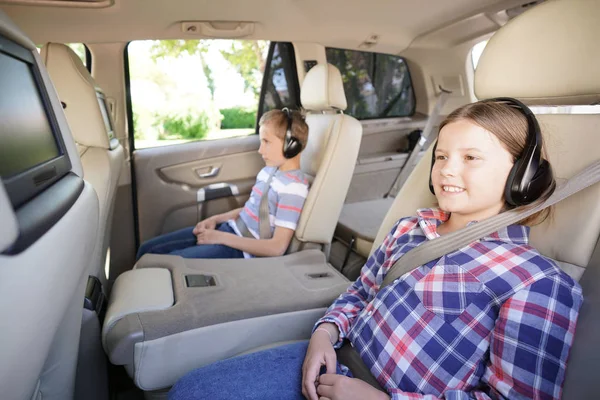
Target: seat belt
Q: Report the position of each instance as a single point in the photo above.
(438, 247)
(427, 137)
(264, 223)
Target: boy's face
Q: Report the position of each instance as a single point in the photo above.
(470, 171)
(271, 146)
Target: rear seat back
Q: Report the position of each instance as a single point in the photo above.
(91, 124)
(42, 285)
(548, 56)
(330, 154)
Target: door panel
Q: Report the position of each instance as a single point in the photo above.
(210, 170)
(382, 154)
(168, 180)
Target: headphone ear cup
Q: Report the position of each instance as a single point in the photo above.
(510, 195)
(291, 147)
(542, 179)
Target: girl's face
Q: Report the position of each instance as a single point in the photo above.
(470, 171)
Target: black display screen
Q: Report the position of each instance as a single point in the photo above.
(27, 137)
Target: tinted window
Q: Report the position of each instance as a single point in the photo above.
(376, 85)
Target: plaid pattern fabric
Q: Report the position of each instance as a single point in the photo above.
(494, 319)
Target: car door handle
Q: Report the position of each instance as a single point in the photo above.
(214, 171)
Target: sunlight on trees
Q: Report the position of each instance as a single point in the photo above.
(184, 89)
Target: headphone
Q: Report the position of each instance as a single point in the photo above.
(291, 145)
(530, 176)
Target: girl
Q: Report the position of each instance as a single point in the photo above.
(494, 319)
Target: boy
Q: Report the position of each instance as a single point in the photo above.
(238, 233)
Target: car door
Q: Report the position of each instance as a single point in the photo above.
(181, 175)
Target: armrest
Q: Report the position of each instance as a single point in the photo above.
(148, 289)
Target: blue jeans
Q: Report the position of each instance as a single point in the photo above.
(183, 243)
(270, 374)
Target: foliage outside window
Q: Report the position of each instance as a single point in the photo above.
(183, 90)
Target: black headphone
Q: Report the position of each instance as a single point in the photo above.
(530, 176)
(291, 145)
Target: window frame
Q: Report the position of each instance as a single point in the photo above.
(374, 55)
(267, 73)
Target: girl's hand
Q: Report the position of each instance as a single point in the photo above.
(340, 387)
(320, 352)
(210, 236)
(208, 223)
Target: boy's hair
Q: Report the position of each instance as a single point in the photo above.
(279, 121)
(509, 125)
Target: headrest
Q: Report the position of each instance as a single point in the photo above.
(78, 91)
(548, 55)
(323, 89)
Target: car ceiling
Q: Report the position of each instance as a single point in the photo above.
(398, 24)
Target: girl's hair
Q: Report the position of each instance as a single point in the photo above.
(509, 125)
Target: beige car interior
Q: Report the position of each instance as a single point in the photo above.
(167, 315)
(42, 287)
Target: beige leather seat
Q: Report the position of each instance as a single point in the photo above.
(156, 320)
(549, 56)
(92, 127)
(102, 158)
(329, 157)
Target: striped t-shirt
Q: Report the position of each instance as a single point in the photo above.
(287, 193)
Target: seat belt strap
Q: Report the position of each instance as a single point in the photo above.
(438, 247)
(428, 136)
(264, 223)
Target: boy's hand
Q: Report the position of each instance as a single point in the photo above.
(210, 236)
(320, 352)
(338, 387)
(208, 223)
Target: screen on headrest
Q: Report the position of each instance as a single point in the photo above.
(27, 138)
(32, 154)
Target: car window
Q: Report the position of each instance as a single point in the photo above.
(187, 90)
(376, 85)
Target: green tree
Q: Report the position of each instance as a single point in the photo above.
(248, 59)
(176, 48)
(246, 56)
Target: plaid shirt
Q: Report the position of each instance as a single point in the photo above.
(494, 319)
